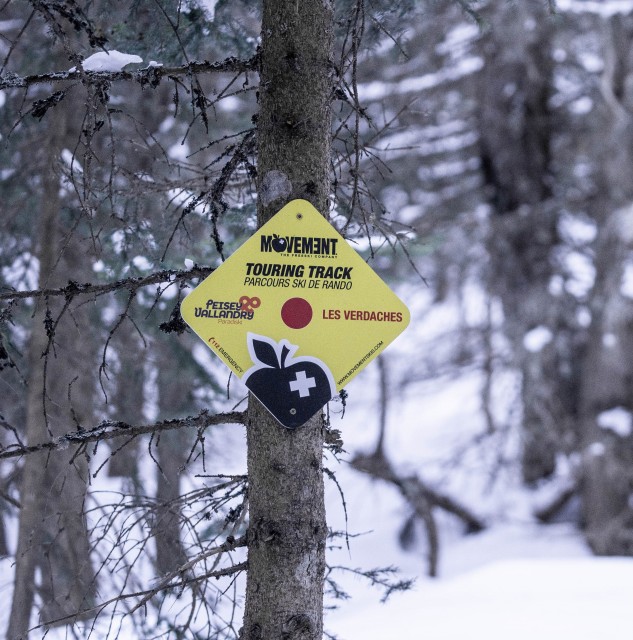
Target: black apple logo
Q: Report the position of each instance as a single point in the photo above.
(279, 244)
(292, 389)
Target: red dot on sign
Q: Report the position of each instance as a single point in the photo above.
(296, 313)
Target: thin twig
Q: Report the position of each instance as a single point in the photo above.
(230, 544)
(126, 596)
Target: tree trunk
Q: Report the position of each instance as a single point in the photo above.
(606, 473)
(287, 528)
(34, 471)
(607, 386)
(172, 448)
(128, 403)
(53, 536)
(516, 131)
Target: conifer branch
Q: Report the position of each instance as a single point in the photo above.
(150, 75)
(73, 289)
(110, 429)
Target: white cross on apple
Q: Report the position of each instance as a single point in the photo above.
(302, 384)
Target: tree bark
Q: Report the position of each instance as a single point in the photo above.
(31, 497)
(607, 384)
(128, 403)
(516, 132)
(287, 528)
(172, 448)
(606, 371)
(52, 535)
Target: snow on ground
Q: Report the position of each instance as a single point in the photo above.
(522, 599)
(517, 579)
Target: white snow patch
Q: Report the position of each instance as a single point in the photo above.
(23, 273)
(3, 98)
(229, 104)
(378, 90)
(622, 221)
(556, 285)
(626, 284)
(409, 214)
(169, 292)
(167, 124)
(583, 170)
(581, 273)
(511, 542)
(535, 339)
(180, 197)
(474, 304)
(603, 8)
(150, 392)
(567, 88)
(108, 314)
(582, 106)
(583, 316)
(510, 89)
(70, 160)
(10, 25)
(118, 240)
(402, 143)
(153, 63)
(108, 61)
(456, 38)
(440, 170)
(596, 449)
(142, 263)
(576, 229)
(619, 420)
(522, 599)
(591, 62)
(189, 263)
(179, 151)
(609, 340)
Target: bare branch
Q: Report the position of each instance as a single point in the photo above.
(422, 499)
(110, 429)
(242, 566)
(549, 511)
(73, 289)
(379, 577)
(230, 544)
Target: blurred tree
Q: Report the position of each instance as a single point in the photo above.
(507, 156)
(102, 187)
(53, 537)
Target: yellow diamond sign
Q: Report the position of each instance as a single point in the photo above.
(295, 313)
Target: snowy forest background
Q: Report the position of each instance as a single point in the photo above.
(483, 154)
